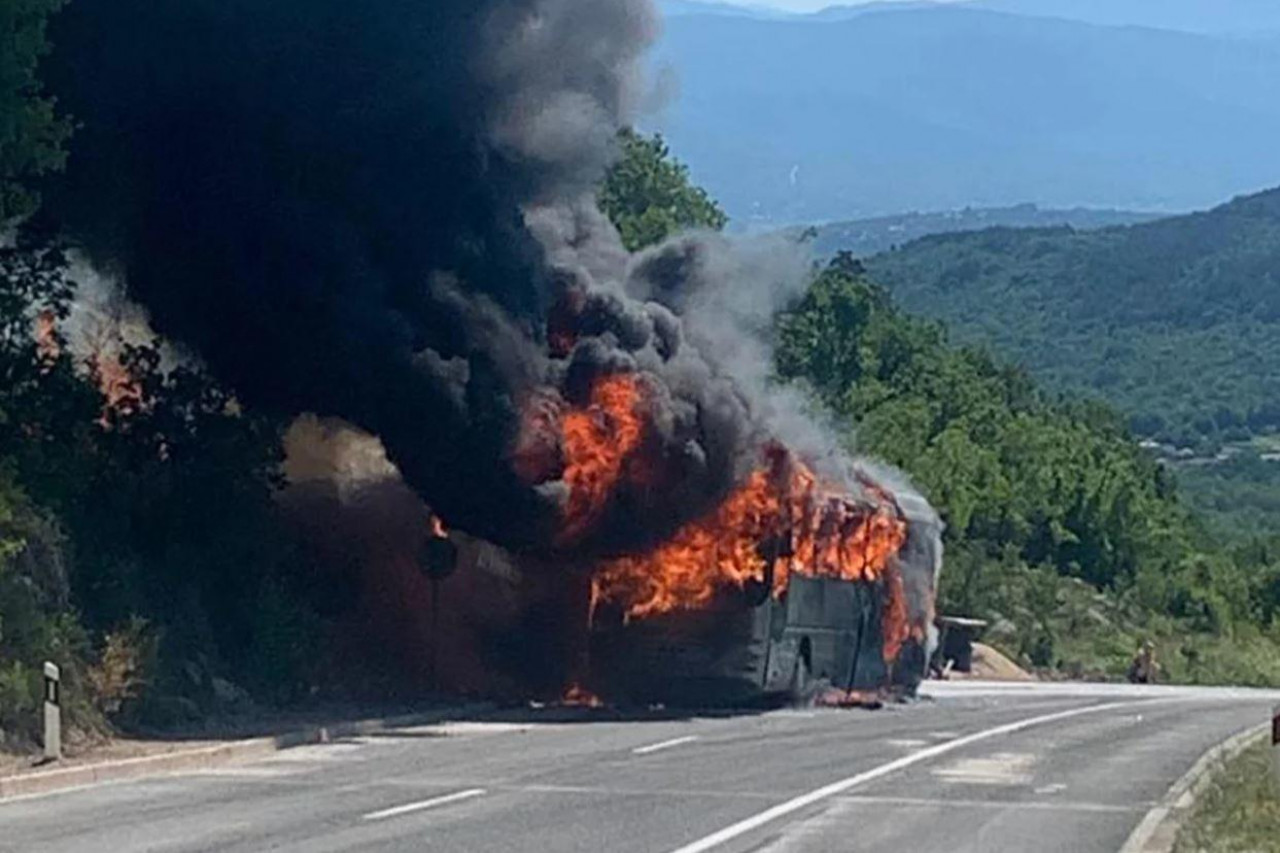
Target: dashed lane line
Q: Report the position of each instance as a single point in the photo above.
(666, 744)
(421, 805)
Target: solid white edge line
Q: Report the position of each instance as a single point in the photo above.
(425, 804)
(805, 800)
(666, 744)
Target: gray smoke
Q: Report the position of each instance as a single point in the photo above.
(383, 213)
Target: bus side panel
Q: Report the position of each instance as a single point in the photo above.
(686, 658)
(827, 615)
(868, 670)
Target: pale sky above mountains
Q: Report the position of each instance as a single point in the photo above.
(812, 5)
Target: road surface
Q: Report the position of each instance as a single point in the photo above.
(970, 768)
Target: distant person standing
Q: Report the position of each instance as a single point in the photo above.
(1144, 669)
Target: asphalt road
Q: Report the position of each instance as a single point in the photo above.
(971, 767)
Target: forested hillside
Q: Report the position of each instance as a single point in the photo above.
(1064, 532)
(1175, 322)
(145, 545)
(865, 237)
(1061, 529)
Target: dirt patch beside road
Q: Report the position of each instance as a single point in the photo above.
(990, 664)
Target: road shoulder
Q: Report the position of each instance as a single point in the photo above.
(59, 778)
(1158, 831)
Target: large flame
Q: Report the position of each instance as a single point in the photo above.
(596, 441)
(782, 519)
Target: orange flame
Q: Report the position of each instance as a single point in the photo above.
(702, 558)
(576, 695)
(782, 513)
(895, 624)
(121, 391)
(437, 528)
(782, 520)
(597, 440)
(46, 334)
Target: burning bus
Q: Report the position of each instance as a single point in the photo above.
(789, 589)
(408, 240)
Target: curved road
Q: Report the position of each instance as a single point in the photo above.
(1046, 767)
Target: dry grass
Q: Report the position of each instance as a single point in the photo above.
(1240, 812)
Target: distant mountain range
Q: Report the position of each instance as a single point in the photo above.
(1177, 321)
(1247, 18)
(865, 237)
(876, 109)
(1216, 17)
(835, 12)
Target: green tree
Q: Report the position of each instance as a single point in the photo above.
(1064, 485)
(32, 134)
(1061, 530)
(152, 524)
(648, 195)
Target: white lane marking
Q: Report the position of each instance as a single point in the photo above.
(805, 800)
(906, 743)
(1055, 788)
(472, 727)
(425, 804)
(1097, 690)
(666, 744)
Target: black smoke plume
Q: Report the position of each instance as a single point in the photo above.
(373, 210)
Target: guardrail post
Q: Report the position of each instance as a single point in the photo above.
(52, 712)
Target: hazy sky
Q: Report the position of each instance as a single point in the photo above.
(809, 5)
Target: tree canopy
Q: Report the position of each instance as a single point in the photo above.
(648, 195)
(1064, 532)
(1060, 528)
(32, 133)
(1175, 322)
(141, 543)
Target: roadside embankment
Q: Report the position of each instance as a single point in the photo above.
(1239, 810)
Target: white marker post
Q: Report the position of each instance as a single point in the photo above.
(52, 712)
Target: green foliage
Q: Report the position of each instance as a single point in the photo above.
(1240, 810)
(35, 624)
(1061, 530)
(1239, 498)
(648, 196)
(1176, 322)
(140, 544)
(865, 237)
(32, 134)
(1062, 485)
